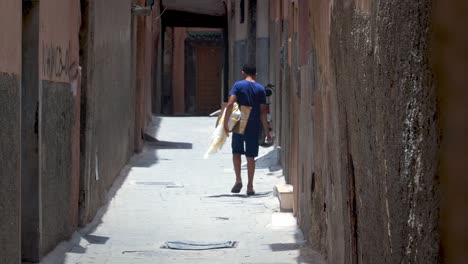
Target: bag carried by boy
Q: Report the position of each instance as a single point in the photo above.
(240, 123)
(239, 128)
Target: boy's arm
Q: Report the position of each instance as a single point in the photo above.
(229, 106)
(264, 118)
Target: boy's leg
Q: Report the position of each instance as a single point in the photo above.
(237, 151)
(251, 152)
(236, 160)
(250, 172)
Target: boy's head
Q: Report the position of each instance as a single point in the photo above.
(249, 70)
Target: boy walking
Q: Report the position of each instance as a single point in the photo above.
(248, 93)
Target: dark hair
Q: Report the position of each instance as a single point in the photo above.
(250, 70)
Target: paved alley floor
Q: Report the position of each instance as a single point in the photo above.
(170, 193)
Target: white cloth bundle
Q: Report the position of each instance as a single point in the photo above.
(218, 138)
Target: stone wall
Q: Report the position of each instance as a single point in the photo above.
(357, 120)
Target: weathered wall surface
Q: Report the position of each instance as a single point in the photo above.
(10, 53)
(118, 66)
(358, 124)
(30, 133)
(390, 119)
(10, 133)
(144, 80)
(178, 71)
(157, 62)
(263, 42)
(237, 39)
(168, 56)
(451, 62)
(46, 112)
(249, 38)
(109, 102)
(58, 92)
(55, 163)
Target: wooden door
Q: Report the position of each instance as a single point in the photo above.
(208, 78)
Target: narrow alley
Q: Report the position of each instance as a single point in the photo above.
(107, 108)
(170, 193)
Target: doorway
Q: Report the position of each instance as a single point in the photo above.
(208, 76)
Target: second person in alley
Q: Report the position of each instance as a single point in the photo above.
(249, 93)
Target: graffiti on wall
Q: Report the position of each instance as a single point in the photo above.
(57, 62)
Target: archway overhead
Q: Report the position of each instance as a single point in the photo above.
(173, 18)
(203, 7)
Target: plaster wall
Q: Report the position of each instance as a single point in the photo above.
(10, 133)
(108, 131)
(10, 184)
(157, 62)
(450, 63)
(10, 37)
(59, 23)
(168, 62)
(263, 42)
(144, 79)
(389, 118)
(356, 89)
(238, 40)
(178, 72)
(30, 133)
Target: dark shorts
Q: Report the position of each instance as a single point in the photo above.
(246, 144)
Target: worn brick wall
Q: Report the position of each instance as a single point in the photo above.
(357, 121)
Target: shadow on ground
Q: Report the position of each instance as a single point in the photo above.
(169, 145)
(257, 195)
(268, 161)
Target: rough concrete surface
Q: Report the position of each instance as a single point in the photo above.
(30, 133)
(263, 60)
(10, 156)
(109, 102)
(388, 118)
(169, 192)
(56, 118)
(10, 36)
(240, 48)
(450, 63)
(356, 89)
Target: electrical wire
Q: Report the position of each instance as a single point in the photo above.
(162, 13)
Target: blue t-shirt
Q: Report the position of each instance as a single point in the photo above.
(250, 94)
